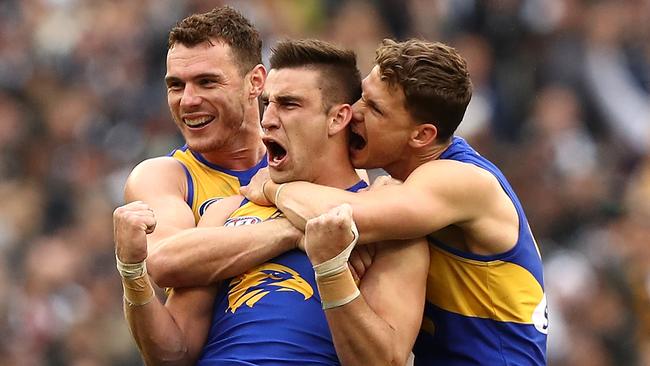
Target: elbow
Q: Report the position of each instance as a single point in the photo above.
(394, 358)
(177, 357)
(382, 354)
(391, 355)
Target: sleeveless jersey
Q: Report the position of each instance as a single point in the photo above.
(484, 310)
(207, 182)
(272, 314)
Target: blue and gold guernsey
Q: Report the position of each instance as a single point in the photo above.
(272, 314)
(484, 310)
(207, 182)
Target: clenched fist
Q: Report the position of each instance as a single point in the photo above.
(328, 234)
(131, 224)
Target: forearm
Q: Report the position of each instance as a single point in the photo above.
(301, 201)
(158, 336)
(204, 256)
(361, 337)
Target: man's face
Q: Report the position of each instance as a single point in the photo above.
(294, 124)
(206, 94)
(381, 125)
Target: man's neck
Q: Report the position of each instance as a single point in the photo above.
(338, 174)
(341, 181)
(237, 158)
(402, 169)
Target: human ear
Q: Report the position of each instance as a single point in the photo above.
(338, 118)
(256, 79)
(423, 135)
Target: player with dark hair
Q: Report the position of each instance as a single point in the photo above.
(485, 293)
(273, 312)
(214, 77)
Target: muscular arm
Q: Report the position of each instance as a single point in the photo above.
(434, 196)
(224, 251)
(182, 255)
(174, 333)
(380, 326)
(161, 184)
(171, 334)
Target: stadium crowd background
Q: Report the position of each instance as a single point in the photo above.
(561, 103)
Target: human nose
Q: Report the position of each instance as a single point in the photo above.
(270, 118)
(189, 97)
(357, 114)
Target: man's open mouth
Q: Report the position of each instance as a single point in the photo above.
(357, 142)
(277, 152)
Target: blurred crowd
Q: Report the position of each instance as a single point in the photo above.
(561, 103)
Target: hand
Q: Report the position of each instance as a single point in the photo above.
(131, 224)
(360, 260)
(329, 234)
(384, 180)
(254, 191)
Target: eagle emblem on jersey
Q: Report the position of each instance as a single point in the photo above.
(253, 285)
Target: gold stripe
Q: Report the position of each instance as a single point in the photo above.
(208, 183)
(496, 290)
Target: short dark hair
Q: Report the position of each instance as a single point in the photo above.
(339, 75)
(223, 24)
(433, 77)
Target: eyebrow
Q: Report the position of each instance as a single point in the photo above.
(372, 103)
(282, 99)
(217, 77)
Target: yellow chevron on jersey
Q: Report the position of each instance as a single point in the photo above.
(500, 290)
(207, 182)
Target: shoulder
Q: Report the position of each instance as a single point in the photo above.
(154, 175)
(155, 168)
(453, 173)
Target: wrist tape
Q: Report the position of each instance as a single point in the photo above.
(277, 194)
(135, 282)
(334, 279)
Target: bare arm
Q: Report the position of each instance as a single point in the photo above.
(170, 335)
(174, 333)
(436, 195)
(182, 255)
(224, 251)
(379, 327)
(161, 184)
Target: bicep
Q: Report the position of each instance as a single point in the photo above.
(395, 284)
(161, 183)
(434, 196)
(191, 309)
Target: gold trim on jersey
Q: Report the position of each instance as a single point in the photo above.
(497, 290)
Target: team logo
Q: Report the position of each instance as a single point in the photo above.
(204, 206)
(253, 285)
(242, 220)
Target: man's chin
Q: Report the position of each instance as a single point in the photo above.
(203, 146)
(358, 159)
(279, 177)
